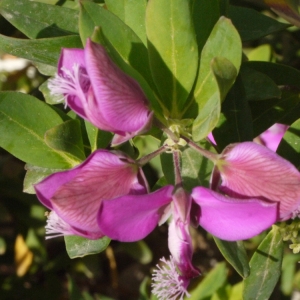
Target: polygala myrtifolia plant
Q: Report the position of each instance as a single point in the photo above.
(171, 71)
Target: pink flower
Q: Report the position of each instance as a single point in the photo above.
(225, 218)
(272, 137)
(248, 170)
(75, 195)
(98, 91)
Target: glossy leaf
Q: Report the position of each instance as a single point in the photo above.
(132, 13)
(279, 73)
(205, 16)
(45, 51)
(235, 124)
(253, 25)
(97, 138)
(235, 254)
(78, 246)
(289, 147)
(23, 135)
(223, 42)
(66, 138)
(285, 110)
(34, 175)
(40, 20)
(211, 282)
(173, 51)
(123, 39)
(257, 85)
(265, 267)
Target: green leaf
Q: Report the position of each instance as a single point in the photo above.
(78, 246)
(235, 254)
(235, 124)
(205, 16)
(67, 138)
(68, 4)
(38, 20)
(98, 138)
(195, 168)
(23, 135)
(123, 39)
(45, 51)
(285, 110)
(288, 273)
(225, 74)
(223, 41)
(211, 282)
(289, 147)
(34, 175)
(265, 267)
(279, 73)
(173, 51)
(132, 13)
(253, 25)
(258, 86)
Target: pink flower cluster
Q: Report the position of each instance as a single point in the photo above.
(108, 195)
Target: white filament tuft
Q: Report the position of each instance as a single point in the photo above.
(167, 283)
(56, 226)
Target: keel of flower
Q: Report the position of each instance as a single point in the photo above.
(167, 283)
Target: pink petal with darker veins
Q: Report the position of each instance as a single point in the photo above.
(118, 99)
(132, 217)
(252, 170)
(233, 219)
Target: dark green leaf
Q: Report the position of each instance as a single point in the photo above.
(173, 51)
(265, 267)
(24, 121)
(205, 16)
(257, 85)
(235, 254)
(253, 25)
(39, 20)
(67, 138)
(265, 113)
(235, 124)
(78, 246)
(45, 51)
(280, 74)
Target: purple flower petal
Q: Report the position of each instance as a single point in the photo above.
(131, 218)
(233, 219)
(75, 195)
(118, 99)
(272, 137)
(252, 170)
